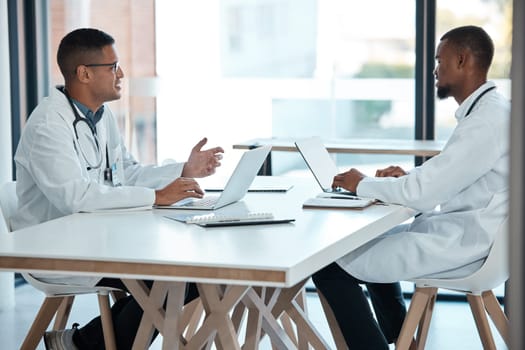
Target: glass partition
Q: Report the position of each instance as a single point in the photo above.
(132, 24)
(234, 70)
(495, 16)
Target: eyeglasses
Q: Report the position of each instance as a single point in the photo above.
(114, 66)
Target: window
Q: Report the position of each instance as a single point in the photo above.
(132, 24)
(234, 70)
(495, 16)
(272, 68)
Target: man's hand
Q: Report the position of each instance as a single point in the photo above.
(202, 163)
(348, 180)
(181, 188)
(391, 171)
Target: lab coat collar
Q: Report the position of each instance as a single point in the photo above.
(58, 94)
(461, 112)
(59, 100)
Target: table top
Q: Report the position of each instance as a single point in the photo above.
(422, 148)
(145, 244)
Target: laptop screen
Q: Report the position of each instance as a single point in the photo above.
(318, 160)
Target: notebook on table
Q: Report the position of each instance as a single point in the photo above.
(259, 184)
(325, 200)
(320, 163)
(218, 220)
(236, 187)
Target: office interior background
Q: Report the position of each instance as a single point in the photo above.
(234, 70)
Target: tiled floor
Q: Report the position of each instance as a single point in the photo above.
(452, 324)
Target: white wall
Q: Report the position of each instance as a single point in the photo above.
(7, 298)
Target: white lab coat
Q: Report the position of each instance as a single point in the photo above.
(53, 180)
(462, 194)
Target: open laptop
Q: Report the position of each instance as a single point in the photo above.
(236, 187)
(320, 163)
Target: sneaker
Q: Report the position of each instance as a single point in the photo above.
(60, 340)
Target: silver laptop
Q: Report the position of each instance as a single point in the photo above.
(236, 187)
(320, 163)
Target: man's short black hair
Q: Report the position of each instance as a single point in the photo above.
(476, 40)
(79, 46)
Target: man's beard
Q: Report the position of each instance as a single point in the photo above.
(443, 92)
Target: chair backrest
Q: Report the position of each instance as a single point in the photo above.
(493, 272)
(8, 204)
(496, 266)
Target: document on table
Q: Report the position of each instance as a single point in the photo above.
(118, 210)
(327, 200)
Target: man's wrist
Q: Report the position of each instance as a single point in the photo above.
(184, 172)
(361, 178)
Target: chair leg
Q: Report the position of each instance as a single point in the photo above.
(337, 335)
(478, 311)
(41, 322)
(418, 306)
(497, 315)
(424, 324)
(107, 322)
(62, 315)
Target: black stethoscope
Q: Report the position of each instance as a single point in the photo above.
(97, 163)
(477, 100)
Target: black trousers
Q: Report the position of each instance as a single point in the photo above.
(352, 309)
(126, 314)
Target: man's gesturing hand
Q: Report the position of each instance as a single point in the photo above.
(202, 163)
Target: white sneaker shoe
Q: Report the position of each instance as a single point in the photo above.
(60, 340)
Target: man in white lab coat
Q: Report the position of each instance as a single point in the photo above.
(71, 158)
(462, 194)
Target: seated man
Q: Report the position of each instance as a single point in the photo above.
(468, 180)
(71, 158)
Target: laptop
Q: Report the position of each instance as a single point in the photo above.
(236, 187)
(320, 164)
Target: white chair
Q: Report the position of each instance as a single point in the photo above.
(59, 298)
(478, 289)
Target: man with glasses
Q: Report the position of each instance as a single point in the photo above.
(71, 158)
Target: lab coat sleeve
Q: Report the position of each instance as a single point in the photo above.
(57, 171)
(472, 151)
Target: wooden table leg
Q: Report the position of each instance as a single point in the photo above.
(264, 305)
(287, 302)
(152, 302)
(217, 323)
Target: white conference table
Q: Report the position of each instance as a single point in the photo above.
(422, 148)
(261, 268)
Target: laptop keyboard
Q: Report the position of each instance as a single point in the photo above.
(203, 202)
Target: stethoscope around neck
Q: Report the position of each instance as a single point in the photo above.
(97, 163)
(477, 100)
